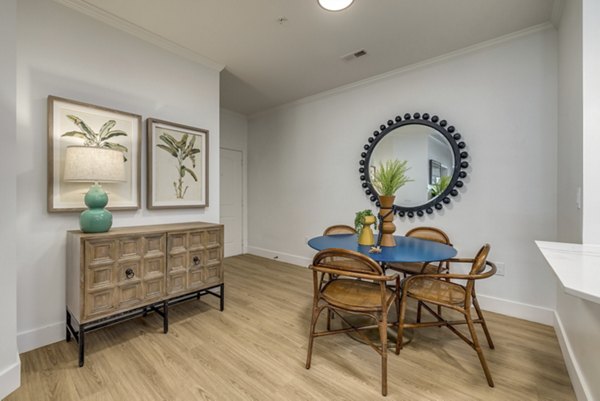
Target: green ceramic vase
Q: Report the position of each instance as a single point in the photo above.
(96, 219)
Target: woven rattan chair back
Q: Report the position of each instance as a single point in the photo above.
(480, 259)
(340, 262)
(429, 233)
(339, 229)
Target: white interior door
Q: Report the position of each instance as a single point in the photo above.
(231, 200)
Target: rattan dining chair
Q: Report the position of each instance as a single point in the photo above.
(436, 289)
(359, 287)
(412, 268)
(430, 234)
(339, 229)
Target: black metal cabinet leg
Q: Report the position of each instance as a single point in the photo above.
(81, 345)
(222, 298)
(166, 317)
(68, 334)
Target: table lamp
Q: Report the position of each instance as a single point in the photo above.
(95, 165)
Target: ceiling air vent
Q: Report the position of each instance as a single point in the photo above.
(354, 55)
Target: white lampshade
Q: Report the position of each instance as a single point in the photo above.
(335, 5)
(93, 164)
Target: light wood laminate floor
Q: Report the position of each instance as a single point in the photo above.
(256, 349)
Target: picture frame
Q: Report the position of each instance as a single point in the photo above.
(177, 169)
(76, 123)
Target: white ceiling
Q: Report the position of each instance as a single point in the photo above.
(268, 63)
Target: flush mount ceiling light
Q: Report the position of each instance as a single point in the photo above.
(335, 5)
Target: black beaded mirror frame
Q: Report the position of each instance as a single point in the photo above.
(460, 164)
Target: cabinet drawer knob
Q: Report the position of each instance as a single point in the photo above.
(129, 273)
(196, 260)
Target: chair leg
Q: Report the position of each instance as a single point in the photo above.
(484, 365)
(383, 339)
(419, 309)
(329, 317)
(311, 336)
(401, 316)
(483, 323)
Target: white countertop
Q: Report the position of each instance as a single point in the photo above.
(576, 266)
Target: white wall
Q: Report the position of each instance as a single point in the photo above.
(9, 357)
(570, 123)
(234, 135)
(591, 128)
(303, 162)
(64, 53)
(577, 320)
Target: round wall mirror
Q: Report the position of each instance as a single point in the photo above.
(434, 155)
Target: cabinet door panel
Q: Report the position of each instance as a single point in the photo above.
(153, 289)
(99, 277)
(155, 245)
(213, 237)
(100, 252)
(153, 268)
(176, 282)
(100, 302)
(213, 256)
(195, 278)
(213, 274)
(129, 294)
(196, 240)
(133, 268)
(131, 247)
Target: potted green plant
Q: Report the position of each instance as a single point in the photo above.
(362, 223)
(439, 187)
(387, 180)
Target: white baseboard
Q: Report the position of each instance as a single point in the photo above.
(533, 313)
(10, 378)
(281, 256)
(582, 391)
(41, 336)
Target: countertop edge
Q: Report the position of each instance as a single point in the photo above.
(550, 249)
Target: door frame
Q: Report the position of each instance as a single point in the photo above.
(244, 196)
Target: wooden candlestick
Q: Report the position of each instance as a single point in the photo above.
(388, 228)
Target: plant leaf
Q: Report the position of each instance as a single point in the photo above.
(92, 136)
(168, 149)
(76, 134)
(114, 133)
(116, 146)
(192, 173)
(390, 177)
(106, 127)
(183, 141)
(168, 139)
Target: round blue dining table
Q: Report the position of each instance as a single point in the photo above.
(407, 249)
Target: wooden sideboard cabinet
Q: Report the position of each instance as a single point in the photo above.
(131, 271)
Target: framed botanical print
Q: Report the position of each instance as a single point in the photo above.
(73, 123)
(177, 165)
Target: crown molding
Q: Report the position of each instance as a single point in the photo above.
(402, 70)
(557, 10)
(108, 18)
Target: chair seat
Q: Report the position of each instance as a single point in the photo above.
(413, 268)
(355, 294)
(439, 291)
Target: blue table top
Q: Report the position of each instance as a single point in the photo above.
(406, 250)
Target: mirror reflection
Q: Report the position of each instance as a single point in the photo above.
(429, 157)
